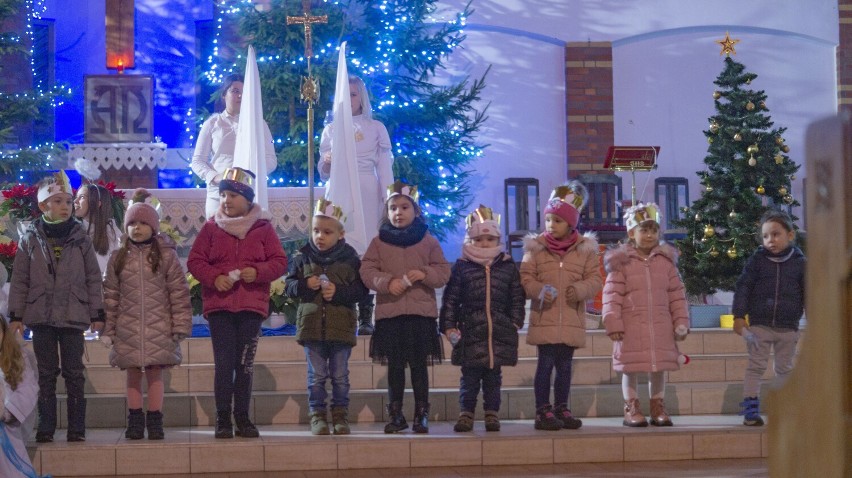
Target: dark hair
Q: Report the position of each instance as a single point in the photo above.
(99, 215)
(229, 80)
(418, 211)
(776, 215)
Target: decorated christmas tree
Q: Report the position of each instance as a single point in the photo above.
(747, 171)
(396, 47)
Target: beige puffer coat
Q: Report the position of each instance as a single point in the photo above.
(562, 321)
(145, 309)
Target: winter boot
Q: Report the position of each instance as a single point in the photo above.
(563, 413)
(750, 409)
(545, 419)
(245, 428)
(46, 419)
(76, 419)
(421, 417)
(154, 423)
(396, 421)
(492, 421)
(632, 415)
(319, 422)
(365, 316)
(224, 427)
(135, 424)
(340, 420)
(659, 416)
(464, 423)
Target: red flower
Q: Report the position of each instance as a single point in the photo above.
(21, 202)
(110, 186)
(9, 249)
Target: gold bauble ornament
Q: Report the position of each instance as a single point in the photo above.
(792, 177)
(782, 190)
(710, 140)
(779, 159)
(760, 190)
(709, 231)
(716, 95)
(788, 199)
(732, 252)
(785, 148)
(684, 209)
(752, 161)
(732, 214)
(738, 137)
(697, 217)
(708, 188)
(762, 105)
(750, 106)
(779, 140)
(748, 81)
(713, 252)
(753, 149)
(714, 127)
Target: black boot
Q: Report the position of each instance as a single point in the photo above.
(154, 422)
(421, 417)
(365, 316)
(245, 428)
(135, 424)
(46, 419)
(396, 420)
(224, 428)
(76, 419)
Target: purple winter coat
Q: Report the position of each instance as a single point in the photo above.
(644, 298)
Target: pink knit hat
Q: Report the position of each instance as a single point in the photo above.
(566, 201)
(140, 211)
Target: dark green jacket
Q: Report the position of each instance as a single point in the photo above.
(317, 319)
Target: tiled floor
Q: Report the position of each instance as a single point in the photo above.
(742, 468)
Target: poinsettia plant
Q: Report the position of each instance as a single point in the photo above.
(20, 202)
(117, 197)
(8, 248)
(279, 303)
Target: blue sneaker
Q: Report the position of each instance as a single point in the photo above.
(750, 409)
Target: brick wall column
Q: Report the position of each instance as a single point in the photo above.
(844, 57)
(588, 78)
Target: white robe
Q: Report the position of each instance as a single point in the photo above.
(375, 167)
(21, 403)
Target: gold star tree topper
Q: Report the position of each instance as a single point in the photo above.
(727, 45)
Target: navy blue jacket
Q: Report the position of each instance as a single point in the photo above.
(771, 289)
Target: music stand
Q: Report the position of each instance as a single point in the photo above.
(632, 158)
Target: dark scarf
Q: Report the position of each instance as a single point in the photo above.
(407, 236)
(782, 256)
(328, 256)
(58, 230)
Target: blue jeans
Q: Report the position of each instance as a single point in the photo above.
(491, 379)
(328, 360)
(550, 356)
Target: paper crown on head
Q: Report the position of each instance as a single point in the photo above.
(326, 208)
(641, 212)
(401, 188)
(142, 195)
(483, 222)
(572, 193)
(56, 184)
(238, 180)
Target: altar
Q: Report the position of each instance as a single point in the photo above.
(131, 165)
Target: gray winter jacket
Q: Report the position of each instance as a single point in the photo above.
(58, 292)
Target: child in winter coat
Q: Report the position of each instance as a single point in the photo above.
(771, 290)
(56, 291)
(404, 265)
(236, 256)
(560, 271)
(18, 395)
(148, 314)
(483, 308)
(325, 279)
(645, 312)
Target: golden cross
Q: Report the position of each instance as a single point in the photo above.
(307, 20)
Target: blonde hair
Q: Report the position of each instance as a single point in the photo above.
(366, 108)
(11, 357)
(418, 212)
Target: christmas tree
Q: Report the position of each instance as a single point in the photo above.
(747, 171)
(395, 47)
(22, 110)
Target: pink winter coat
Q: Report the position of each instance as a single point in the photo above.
(144, 309)
(644, 298)
(577, 278)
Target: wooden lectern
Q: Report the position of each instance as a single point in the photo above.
(632, 158)
(810, 417)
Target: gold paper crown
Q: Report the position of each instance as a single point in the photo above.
(326, 208)
(239, 175)
(142, 195)
(572, 192)
(480, 215)
(640, 213)
(57, 183)
(401, 188)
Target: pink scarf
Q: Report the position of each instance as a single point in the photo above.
(240, 226)
(561, 246)
(480, 255)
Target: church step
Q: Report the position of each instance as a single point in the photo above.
(292, 448)
(367, 406)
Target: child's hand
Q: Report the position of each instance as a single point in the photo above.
(549, 295)
(680, 333)
(223, 283)
(97, 327)
(415, 275)
(248, 275)
(328, 291)
(313, 282)
(739, 325)
(396, 287)
(106, 340)
(616, 336)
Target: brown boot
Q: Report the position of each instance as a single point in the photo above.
(632, 415)
(659, 417)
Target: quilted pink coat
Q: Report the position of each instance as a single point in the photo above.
(644, 298)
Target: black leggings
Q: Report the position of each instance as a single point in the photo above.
(419, 381)
(234, 336)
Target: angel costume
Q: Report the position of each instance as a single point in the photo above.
(18, 419)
